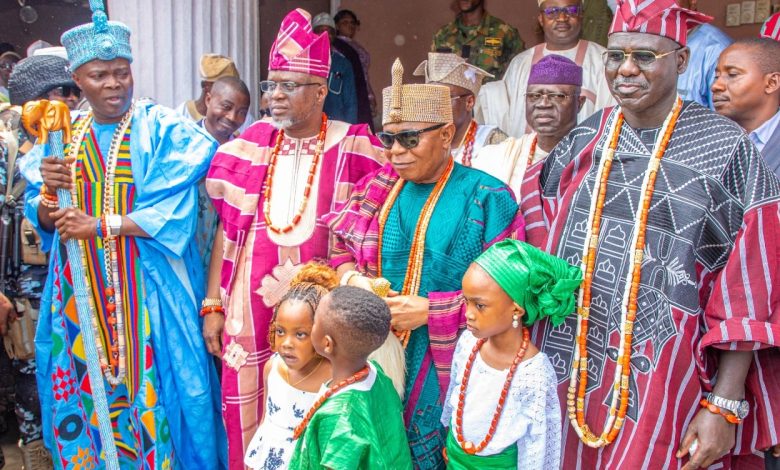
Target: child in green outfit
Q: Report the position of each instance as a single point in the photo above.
(502, 406)
(356, 421)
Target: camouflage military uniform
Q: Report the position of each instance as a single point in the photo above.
(489, 45)
(28, 285)
(596, 20)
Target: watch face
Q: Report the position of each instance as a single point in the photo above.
(742, 409)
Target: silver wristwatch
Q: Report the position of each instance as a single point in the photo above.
(739, 408)
(114, 223)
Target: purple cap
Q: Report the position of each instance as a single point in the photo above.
(555, 70)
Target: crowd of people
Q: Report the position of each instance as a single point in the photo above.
(563, 257)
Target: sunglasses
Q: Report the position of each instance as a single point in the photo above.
(614, 58)
(66, 91)
(555, 12)
(407, 139)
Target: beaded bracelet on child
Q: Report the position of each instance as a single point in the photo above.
(211, 305)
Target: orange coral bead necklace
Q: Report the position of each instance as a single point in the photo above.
(309, 181)
(468, 143)
(468, 446)
(414, 265)
(579, 368)
(354, 378)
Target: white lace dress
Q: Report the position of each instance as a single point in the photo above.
(272, 445)
(531, 418)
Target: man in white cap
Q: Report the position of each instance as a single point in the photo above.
(271, 214)
(464, 81)
(503, 103)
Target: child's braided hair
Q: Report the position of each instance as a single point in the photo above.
(310, 285)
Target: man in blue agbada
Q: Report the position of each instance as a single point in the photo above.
(133, 170)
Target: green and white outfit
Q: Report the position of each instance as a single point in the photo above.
(528, 434)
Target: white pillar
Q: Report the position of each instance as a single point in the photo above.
(168, 38)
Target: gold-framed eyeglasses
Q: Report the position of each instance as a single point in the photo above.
(614, 58)
(552, 97)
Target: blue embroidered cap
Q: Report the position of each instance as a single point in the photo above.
(99, 40)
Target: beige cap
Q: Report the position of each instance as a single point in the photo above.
(215, 66)
(451, 69)
(414, 103)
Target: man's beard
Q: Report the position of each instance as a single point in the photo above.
(283, 124)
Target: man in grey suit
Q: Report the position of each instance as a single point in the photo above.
(747, 90)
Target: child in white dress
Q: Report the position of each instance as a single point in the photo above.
(502, 405)
(295, 373)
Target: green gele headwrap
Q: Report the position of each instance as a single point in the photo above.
(542, 284)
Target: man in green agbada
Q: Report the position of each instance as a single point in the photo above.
(482, 39)
(360, 424)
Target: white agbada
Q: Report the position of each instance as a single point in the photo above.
(508, 160)
(502, 103)
(531, 418)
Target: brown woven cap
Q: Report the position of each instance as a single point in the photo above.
(215, 66)
(414, 103)
(451, 69)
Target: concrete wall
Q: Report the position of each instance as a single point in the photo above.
(404, 28)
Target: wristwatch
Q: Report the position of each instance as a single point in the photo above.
(114, 223)
(739, 408)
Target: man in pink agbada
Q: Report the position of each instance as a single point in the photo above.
(270, 187)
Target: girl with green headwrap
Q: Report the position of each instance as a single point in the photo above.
(502, 405)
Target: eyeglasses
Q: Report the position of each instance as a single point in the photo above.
(407, 139)
(554, 12)
(457, 97)
(66, 91)
(553, 97)
(269, 86)
(614, 58)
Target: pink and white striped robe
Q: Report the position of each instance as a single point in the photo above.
(257, 264)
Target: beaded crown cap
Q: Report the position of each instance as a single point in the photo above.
(451, 69)
(99, 40)
(414, 103)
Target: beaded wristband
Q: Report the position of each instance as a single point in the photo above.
(50, 203)
(213, 309)
(731, 418)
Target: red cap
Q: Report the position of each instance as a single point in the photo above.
(771, 27)
(660, 17)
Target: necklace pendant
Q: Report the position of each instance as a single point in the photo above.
(469, 448)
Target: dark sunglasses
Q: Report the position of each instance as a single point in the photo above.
(554, 12)
(407, 139)
(66, 91)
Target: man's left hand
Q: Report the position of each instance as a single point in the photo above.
(409, 312)
(74, 224)
(715, 437)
